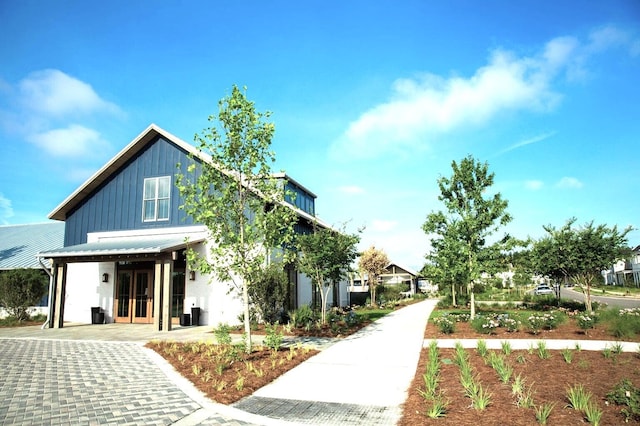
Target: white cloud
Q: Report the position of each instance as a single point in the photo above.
(529, 141)
(533, 185)
(421, 108)
(569, 183)
(351, 189)
(54, 93)
(72, 141)
(6, 210)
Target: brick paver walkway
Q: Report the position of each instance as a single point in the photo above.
(57, 382)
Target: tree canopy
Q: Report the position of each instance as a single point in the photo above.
(374, 262)
(471, 216)
(325, 255)
(235, 195)
(579, 253)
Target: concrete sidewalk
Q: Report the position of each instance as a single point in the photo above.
(362, 379)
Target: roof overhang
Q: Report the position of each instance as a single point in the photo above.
(120, 249)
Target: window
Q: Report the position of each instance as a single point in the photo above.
(155, 202)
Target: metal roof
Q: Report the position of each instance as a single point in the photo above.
(121, 247)
(19, 244)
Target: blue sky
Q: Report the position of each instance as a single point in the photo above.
(371, 101)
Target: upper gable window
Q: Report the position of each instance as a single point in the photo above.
(156, 197)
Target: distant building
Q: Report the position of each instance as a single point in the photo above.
(625, 272)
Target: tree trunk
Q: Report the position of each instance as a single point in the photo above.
(247, 321)
(472, 301)
(453, 294)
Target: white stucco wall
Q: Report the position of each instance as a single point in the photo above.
(86, 289)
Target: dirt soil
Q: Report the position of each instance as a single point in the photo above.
(549, 380)
(242, 377)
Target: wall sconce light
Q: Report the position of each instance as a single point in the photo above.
(192, 275)
(105, 278)
(174, 255)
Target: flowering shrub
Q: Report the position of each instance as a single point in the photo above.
(445, 324)
(510, 324)
(461, 317)
(546, 321)
(632, 312)
(585, 322)
(485, 324)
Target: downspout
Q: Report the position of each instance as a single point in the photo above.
(50, 299)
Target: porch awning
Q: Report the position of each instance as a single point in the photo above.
(118, 248)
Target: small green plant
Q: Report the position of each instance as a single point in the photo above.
(506, 347)
(593, 413)
(273, 337)
(480, 399)
(543, 412)
(437, 407)
(520, 359)
(222, 334)
(543, 352)
(240, 383)
(617, 348)
(628, 396)
(567, 355)
(578, 397)
(195, 369)
(577, 347)
(481, 347)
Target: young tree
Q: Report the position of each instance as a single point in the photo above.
(374, 262)
(475, 217)
(579, 253)
(232, 192)
(445, 263)
(325, 255)
(20, 289)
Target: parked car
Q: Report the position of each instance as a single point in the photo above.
(543, 289)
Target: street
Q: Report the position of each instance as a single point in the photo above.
(619, 302)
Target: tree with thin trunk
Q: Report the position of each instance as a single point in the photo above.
(472, 216)
(230, 189)
(374, 262)
(579, 253)
(325, 256)
(445, 265)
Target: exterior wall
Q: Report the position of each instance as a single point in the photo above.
(117, 204)
(84, 289)
(218, 305)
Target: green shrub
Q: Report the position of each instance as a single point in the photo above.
(222, 334)
(485, 324)
(445, 324)
(627, 395)
(302, 317)
(273, 337)
(268, 292)
(20, 289)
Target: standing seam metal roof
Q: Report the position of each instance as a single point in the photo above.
(19, 244)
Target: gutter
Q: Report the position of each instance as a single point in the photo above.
(50, 290)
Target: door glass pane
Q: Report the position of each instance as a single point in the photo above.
(124, 289)
(142, 293)
(177, 303)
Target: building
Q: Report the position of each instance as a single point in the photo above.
(125, 239)
(625, 272)
(19, 245)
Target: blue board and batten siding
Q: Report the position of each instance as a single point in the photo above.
(117, 204)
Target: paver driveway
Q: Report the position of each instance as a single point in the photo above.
(61, 382)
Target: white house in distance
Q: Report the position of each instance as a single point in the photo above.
(625, 272)
(125, 238)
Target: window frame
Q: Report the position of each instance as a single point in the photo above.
(156, 199)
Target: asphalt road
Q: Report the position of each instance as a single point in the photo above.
(618, 302)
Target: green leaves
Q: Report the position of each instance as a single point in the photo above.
(229, 188)
(459, 234)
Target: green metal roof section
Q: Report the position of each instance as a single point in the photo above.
(19, 244)
(121, 247)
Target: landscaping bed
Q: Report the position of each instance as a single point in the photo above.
(548, 381)
(225, 373)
